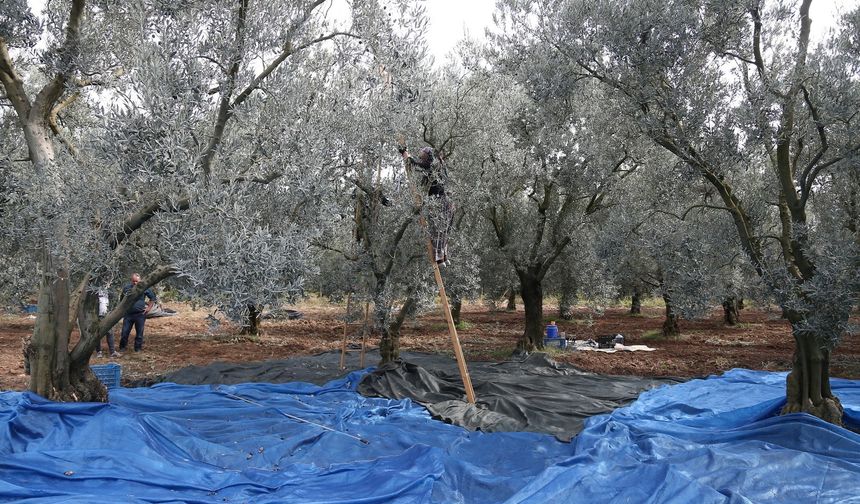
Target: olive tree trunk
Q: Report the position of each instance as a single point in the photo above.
(389, 330)
(252, 324)
(456, 309)
(512, 299)
(670, 324)
(531, 290)
(636, 302)
(53, 374)
(731, 311)
(565, 302)
(808, 383)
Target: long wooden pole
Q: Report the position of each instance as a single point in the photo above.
(343, 344)
(452, 329)
(364, 331)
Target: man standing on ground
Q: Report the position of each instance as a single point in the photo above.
(103, 310)
(136, 315)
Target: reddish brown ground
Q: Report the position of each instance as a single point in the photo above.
(762, 341)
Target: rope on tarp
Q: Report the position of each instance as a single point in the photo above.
(291, 417)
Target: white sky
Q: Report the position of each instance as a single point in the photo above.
(450, 20)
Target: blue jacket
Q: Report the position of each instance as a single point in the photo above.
(139, 305)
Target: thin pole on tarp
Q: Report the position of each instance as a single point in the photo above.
(364, 331)
(446, 309)
(292, 417)
(343, 344)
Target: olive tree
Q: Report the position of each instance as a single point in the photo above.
(376, 248)
(541, 170)
(739, 93)
(180, 139)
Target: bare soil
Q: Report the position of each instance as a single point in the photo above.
(706, 346)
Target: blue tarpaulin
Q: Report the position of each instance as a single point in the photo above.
(714, 440)
(711, 441)
(183, 443)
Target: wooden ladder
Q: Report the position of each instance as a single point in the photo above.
(446, 308)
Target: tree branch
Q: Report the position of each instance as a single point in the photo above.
(53, 90)
(52, 122)
(805, 180)
(497, 227)
(541, 224)
(345, 254)
(396, 242)
(139, 218)
(225, 110)
(13, 84)
(759, 60)
(544, 267)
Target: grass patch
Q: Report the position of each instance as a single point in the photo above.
(553, 351)
(653, 335)
(747, 325)
(722, 342)
(501, 353)
(463, 325)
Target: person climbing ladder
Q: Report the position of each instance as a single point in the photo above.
(433, 179)
(440, 209)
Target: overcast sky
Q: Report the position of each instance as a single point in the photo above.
(451, 19)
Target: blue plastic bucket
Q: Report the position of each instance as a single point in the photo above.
(551, 331)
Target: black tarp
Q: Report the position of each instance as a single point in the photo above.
(533, 394)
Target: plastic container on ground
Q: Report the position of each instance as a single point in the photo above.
(108, 374)
(551, 331)
(560, 342)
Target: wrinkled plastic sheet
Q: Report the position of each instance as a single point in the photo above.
(320, 369)
(535, 394)
(179, 443)
(718, 440)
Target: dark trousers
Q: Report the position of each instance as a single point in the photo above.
(440, 217)
(136, 319)
(109, 340)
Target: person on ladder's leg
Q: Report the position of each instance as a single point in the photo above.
(434, 176)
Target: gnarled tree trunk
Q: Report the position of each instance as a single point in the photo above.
(389, 343)
(731, 311)
(456, 309)
(670, 325)
(53, 374)
(565, 302)
(531, 291)
(512, 299)
(808, 383)
(635, 302)
(252, 324)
